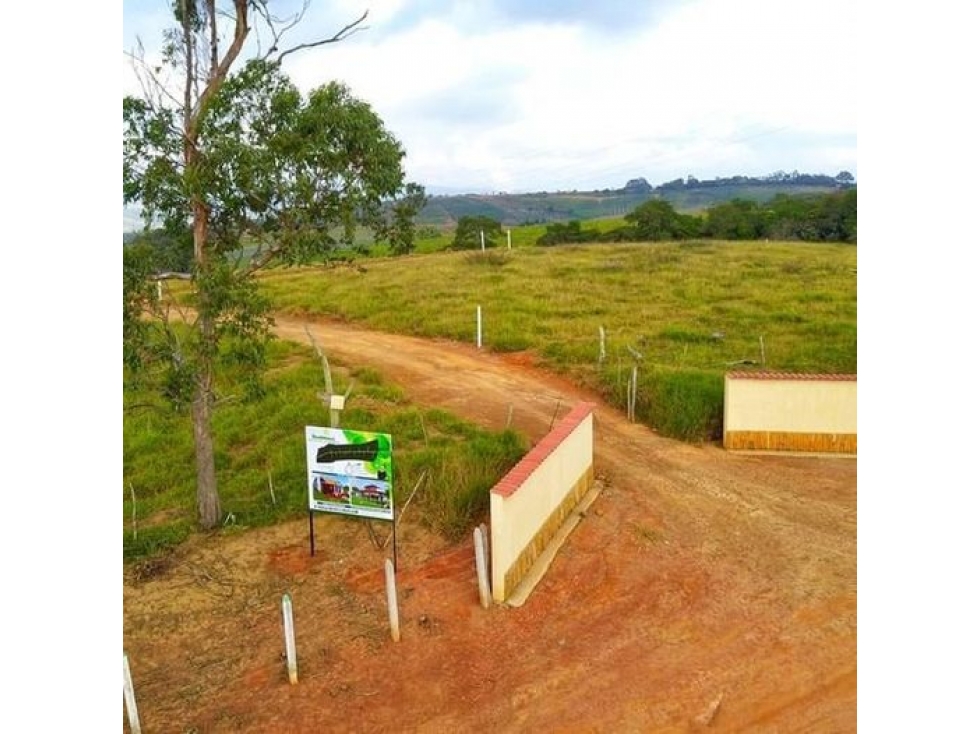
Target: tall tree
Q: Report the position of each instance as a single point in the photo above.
(658, 220)
(238, 154)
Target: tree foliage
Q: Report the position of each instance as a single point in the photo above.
(467, 235)
(658, 220)
(401, 233)
(243, 171)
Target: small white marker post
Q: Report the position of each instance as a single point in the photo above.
(482, 241)
(290, 634)
(508, 245)
(130, 696)
(601, 344)
(481, 568)
(479, 327)
(392, 600)
(336, 405)
(159, 290)
(633, 390)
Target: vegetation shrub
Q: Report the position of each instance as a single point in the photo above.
(155, 540)
(472, 233)
(685, 404)
(459, 476)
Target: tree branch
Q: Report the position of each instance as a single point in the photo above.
(212, 17)
(145, 75)
(345, 32)
(273, 23)
(217, 76)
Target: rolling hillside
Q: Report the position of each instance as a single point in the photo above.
(686, 196)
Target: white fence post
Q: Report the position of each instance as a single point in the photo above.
(130, 696)
(479, 327)
(392, 600)
(508, 246)
(482, 241)
(481, 574)
(290, 634)
(633, 391)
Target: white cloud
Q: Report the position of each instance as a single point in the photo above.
(498, 96)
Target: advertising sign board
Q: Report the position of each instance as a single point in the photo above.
(350, 472)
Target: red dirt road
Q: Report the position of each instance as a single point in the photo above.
(703, 591)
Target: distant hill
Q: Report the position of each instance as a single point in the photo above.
(686, 195)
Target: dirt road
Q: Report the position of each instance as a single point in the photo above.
(704, 590)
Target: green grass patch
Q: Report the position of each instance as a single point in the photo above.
(261, 461)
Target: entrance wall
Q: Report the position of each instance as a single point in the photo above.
(778, 411)
(529, 504)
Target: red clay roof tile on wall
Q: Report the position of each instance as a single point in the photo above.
(544, 448)
(788, 376)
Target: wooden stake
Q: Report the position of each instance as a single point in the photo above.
(290, 634)
(392, 600)
(633, 391)
(408, 501)
(130, 697)
(132, 492)
(553, 417)
(481, 574)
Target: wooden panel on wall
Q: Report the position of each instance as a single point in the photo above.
(829, 443)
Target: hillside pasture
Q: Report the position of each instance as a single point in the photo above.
(693, 310)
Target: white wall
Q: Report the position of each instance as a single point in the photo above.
(527, 497)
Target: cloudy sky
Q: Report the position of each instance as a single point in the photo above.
(520, 95)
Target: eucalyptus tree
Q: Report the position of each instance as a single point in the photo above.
(235, 158)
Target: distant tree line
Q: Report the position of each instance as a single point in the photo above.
(844, 179)
(818, 218)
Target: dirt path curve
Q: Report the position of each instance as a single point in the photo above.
(703, 590)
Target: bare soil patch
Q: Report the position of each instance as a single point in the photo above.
(703, 591)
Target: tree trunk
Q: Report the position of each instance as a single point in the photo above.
(208, 501)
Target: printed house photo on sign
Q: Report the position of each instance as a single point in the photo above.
(350, 472)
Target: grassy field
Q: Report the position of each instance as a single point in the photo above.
(693, 310)
(261, 461)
